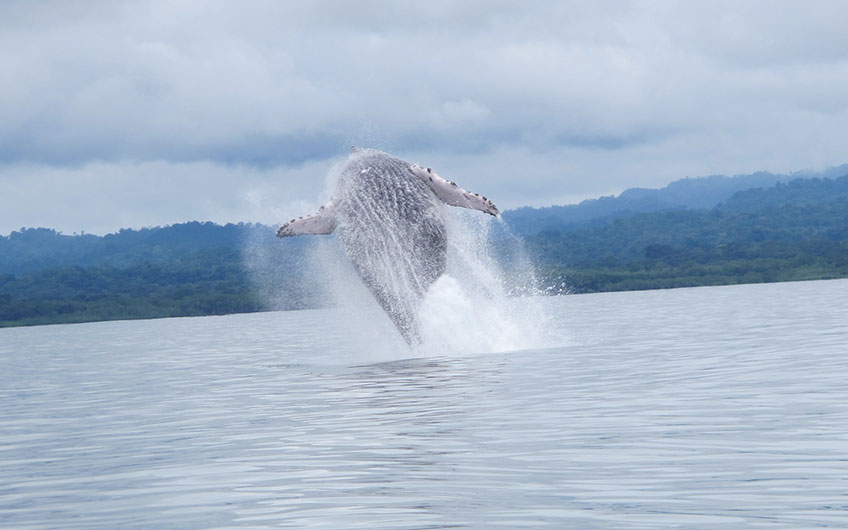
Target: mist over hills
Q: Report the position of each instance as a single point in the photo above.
(687, 193)
(33, 249)
(701, 231)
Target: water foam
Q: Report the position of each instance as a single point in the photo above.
(483, 302)
(479, 304)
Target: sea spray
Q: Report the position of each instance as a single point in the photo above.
(280, 275)
(365, 331)
(481, 303)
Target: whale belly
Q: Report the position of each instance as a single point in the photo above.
(392, 228)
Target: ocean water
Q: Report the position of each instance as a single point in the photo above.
(720, 407)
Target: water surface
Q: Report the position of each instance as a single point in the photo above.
(690, 408)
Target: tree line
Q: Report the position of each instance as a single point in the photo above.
(796, 230)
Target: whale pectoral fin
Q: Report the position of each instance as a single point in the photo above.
(452, 194)
(321, 222)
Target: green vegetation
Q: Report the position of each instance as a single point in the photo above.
(182, 270)
(76, 294)
(789, 231)
(724, 265)
(795, 231)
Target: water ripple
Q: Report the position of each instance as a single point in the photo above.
(693, 408)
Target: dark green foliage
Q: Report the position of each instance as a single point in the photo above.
(688, 193)
(807, 192)
(791, 231)
(181, 270)
(196, 286)
(33, 249)
(813, 260)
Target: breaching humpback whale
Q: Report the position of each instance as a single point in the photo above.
(389, 218)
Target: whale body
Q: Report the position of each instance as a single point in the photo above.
(389, 217)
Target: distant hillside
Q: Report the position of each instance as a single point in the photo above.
(181, 270)
(36, 249)
(799, 192)
(786, 230)
(688, 193)
(792, 231)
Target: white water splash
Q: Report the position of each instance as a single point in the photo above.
(469, 308)
(477, 306)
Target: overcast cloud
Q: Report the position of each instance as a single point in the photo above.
(129, 114)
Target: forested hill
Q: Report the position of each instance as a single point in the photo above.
(689, 193)
(36, 249)
(792, 231)
(181, 270)
(780, 231)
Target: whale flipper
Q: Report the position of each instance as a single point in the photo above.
(452, 194)
(321, 222)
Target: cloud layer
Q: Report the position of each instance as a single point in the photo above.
(535, 103)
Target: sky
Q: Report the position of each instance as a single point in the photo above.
(146, 113)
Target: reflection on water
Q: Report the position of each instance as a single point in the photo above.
(692, 408)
